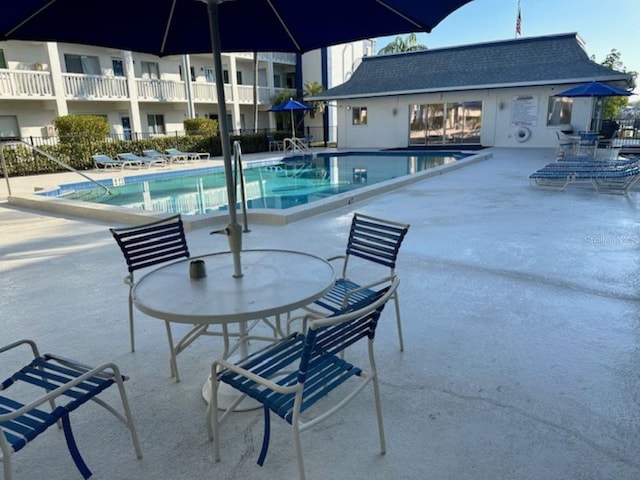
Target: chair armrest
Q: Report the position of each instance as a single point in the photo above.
(251, 376)
(368, 286)
(32, 344)
(99, 371)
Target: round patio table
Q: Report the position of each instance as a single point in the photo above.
(273, 282)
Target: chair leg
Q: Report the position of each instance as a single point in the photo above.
(128, 417)
(376, 398)
(398, 322)
(296, 441)
(6, 462)
(131, 332)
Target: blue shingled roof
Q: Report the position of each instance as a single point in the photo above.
(555, 59)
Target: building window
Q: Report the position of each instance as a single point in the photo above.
(239, 77)
(150, 70)
(193, 73)
(359, 115)
(559, 112)
(277, 81)
(118, 67)
(225, 76)
(9, 126)
(156, 124)
(86, 64)
(209, 75)
(3, 61)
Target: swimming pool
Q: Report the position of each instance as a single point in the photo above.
(279, 190)
(276, 184)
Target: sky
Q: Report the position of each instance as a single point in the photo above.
(603, 26)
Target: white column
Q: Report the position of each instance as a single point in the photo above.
(57, 82)
(235, 106)
(134, 107)
(272, 90)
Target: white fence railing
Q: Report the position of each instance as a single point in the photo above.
(206, 92)
(161, 90)
(25, 83)
(96, 87)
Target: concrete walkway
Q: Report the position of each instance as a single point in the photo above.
(522, 344)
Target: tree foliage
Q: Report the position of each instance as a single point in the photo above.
(201, 126)
(401, 45)
(311, 89)
(613, 105)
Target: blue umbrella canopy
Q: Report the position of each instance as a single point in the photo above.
(291, 106)
(594, 89)
(173, 27)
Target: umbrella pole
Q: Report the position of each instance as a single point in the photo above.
(293, 126)
(233, 230)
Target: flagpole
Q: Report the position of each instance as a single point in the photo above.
(518, 22)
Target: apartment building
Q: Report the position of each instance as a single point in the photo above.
(141, 94)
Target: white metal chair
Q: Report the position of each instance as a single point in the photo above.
(289, 376)
(151, 245)
(372, 241)
(61, 386)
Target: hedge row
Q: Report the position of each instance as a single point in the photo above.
(77, 151)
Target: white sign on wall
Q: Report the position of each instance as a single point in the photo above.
(524, 111)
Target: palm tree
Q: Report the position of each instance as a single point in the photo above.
(311, 89)
(399, 45)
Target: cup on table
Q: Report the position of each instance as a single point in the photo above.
(197, 269)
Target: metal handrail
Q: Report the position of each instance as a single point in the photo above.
(47, 155)
(295, 144)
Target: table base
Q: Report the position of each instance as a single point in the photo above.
(227, 395)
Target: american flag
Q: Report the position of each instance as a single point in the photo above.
(518, 22)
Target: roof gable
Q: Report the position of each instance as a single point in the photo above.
(527, 61)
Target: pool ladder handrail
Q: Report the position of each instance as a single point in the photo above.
(16, 142)
(294, 145)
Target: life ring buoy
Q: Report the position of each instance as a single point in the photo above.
(523, 134)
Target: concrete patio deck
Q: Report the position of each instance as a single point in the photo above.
(522, 340)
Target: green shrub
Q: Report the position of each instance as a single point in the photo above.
(201, 126)
(89, 127)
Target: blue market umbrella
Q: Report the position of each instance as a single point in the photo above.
(291, 106)
(173, 27)
(594, 89)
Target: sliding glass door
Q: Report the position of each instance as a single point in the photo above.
(445, 123)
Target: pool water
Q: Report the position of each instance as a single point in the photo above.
(279, 184)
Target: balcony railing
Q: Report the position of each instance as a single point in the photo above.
(94, 87)
(25, 83)
(161, 90)
(77, 86)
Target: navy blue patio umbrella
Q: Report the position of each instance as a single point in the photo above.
(175, 27)
(291, 106)
(595, 90)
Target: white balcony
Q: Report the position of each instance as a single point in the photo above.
(206, 93)
(78, 86)
(161, 90)
(25, 84)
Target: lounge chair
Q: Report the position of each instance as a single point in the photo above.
(105, 161)
(163, 156)
(604, 177)
(188, 155)
(143, 160)
(44, 392)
